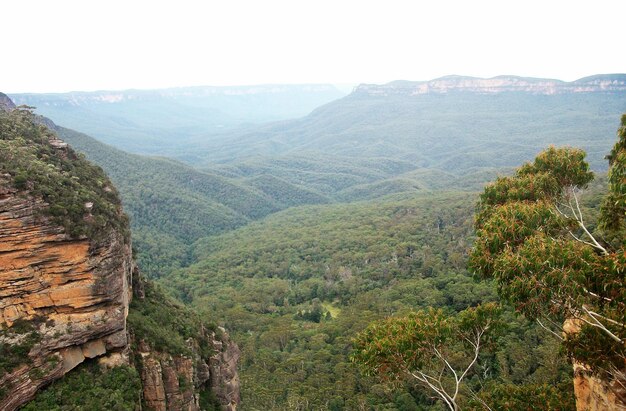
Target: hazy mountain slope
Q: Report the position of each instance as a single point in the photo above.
(453, 132)
(452, 124)
(151, 121)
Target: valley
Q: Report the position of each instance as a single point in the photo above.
(297, 226)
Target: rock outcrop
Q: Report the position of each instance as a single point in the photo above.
(195, 368)
(224, 379)
(593, 393)
(74, 296)
(495, 85)
(176, 382)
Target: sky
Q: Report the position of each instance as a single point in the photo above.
(63, 45)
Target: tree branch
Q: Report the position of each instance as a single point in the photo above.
(550, 331)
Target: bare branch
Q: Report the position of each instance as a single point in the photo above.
(596, 323)
(424, 378)
(550, 331)
(480, 400)
(456, 378)
(581, 224)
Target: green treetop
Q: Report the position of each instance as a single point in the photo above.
(534, 240)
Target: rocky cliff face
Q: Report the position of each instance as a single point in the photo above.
(593, 393)
(224, 379)
(177, 382)
(192, 373)
(501, 84)
(73, 297)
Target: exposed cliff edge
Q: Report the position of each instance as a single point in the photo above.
(71, 301)
(63, 297)
(592, 392)
(185, 363)
(66, 282)
(495, 85)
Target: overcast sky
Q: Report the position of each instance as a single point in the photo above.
(88, 45)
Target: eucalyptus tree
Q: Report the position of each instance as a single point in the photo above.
(550, 263)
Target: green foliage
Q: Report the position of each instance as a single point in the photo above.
(525, 397)
(171, 205)
(272, 280)
(357, 148)
(64, 180)
(361, 262)
(567, 166)
(90, 387)
(275, 281)
(614, 207)
(15, 344)
(430, 347)
(167, 325)
(208, 401)
(546, 259)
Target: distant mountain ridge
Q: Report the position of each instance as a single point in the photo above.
(453, 124)
(495, 85)
(77, 98)
(144, 121)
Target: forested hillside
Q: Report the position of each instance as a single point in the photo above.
(378, 141)
(454, 129)
(296, 287)
(171, 205)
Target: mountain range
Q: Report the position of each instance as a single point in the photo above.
(144, 120)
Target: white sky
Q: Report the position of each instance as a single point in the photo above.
(65, 45)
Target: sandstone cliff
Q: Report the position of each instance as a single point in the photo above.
(69, 295)
(66, 283)
(63, 298)
(615, 83)
(195, 368)
(594, 393)
(180, 383)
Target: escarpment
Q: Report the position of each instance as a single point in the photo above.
(71, 299)
(66, 285)
(63, 296)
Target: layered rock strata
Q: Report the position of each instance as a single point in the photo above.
(175, 382)
(615, 83)
(72, 295)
